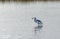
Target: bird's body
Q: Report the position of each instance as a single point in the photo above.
(38, 22)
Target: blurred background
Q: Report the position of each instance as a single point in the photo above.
(26, 0)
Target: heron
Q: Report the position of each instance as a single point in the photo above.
(39, 22)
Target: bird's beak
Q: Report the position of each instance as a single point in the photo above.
(32, 18)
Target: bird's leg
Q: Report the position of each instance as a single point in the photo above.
(38, 25)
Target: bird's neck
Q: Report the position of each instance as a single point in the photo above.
(35, 19)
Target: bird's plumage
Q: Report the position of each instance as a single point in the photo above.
(39, 22)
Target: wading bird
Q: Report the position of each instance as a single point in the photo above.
(39, 22)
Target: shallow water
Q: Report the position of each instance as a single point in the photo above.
(16, 20)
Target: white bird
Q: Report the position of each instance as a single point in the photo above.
(39, 22)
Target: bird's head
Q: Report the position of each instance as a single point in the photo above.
(34, 18)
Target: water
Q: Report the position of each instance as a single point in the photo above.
(16, 20)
